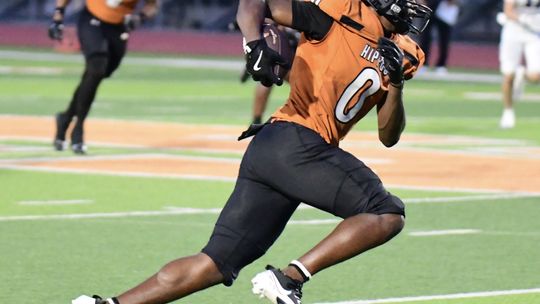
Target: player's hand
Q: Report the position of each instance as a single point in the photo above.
(260, 62)
(133, 21)
(56, 28)
(393, 60)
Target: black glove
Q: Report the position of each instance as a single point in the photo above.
(56, 28)
(260, 62)
(133, 21)
(393, 60)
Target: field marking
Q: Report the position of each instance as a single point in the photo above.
(230, 179)
(121, 174)
(171, 210)
(445, 232)
(76, 216)
(56, 202)
(450, 199)
(497, 96)
(482, 294)
(8, 70)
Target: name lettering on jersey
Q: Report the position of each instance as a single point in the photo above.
(372, 54)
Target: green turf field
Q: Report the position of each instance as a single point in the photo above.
(101, 234)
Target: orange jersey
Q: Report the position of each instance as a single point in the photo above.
(337, 80)
(111, 11)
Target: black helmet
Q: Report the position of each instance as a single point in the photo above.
(406, 15)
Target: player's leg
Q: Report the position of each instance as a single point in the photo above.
(333, 180)
(425, 43)
(94, 47)
(444, 31)
(253, 218)
(262, 94)
(510, 56)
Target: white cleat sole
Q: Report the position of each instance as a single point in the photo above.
(266, 285)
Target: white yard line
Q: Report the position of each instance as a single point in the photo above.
(502, 194)
(445, 232)
(469, 295)
(450, 199)
(122, 174)
(179, 211)
(174, 211)
(55, 202)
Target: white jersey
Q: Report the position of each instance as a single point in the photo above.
(521, 37)
(525, 6)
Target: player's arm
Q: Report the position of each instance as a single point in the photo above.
(148, 11)
(391, 113)
(510, 11)
(260, 59)
(302, 16)
(56, 28)
(250, 16)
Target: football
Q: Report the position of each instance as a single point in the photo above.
(277, 40)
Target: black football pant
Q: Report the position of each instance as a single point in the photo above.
(103, 51)
(286, 164)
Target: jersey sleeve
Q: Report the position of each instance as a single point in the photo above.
(414, 56)
(334, 8)
(310, 19)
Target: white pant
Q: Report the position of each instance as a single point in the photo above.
(516, 41)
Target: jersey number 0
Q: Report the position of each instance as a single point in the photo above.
(369, 82)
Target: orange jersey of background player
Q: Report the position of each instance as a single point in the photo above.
(337, 80)
(111, 11)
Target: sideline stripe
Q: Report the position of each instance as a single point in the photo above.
(444, 232)
(442, 297)
(55, 202)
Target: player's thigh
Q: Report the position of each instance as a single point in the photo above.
(298, 162)
(532, 55)
(510, 49)
(251, 221)
(342, 184)
(116, 47)
(91, 38)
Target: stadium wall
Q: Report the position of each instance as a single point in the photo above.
(463, 55)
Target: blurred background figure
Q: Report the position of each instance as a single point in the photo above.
(520, 37)
(445, 16)
(103, 30)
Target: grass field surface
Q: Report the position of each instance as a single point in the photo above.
(72, 225)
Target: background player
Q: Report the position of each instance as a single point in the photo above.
(520, 36)
(102, 30)
(349, 60)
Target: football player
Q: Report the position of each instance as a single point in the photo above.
(520, 36)
(103, 30)
(353, 56)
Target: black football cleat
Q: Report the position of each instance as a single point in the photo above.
(79, 148)
(62, 124)
(277, 287)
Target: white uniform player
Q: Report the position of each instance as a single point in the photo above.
(520, 36)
